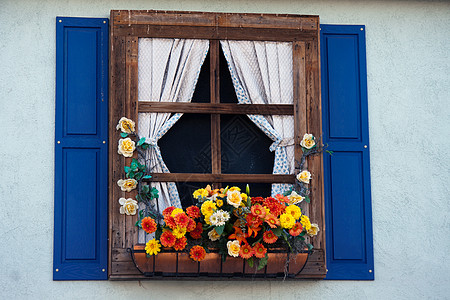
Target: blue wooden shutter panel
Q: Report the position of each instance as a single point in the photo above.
(348, 210)
(81, 153)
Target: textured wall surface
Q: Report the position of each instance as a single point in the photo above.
(408, 62)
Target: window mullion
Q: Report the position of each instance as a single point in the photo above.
(215, 118)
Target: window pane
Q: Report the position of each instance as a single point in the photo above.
(256, 189)
(245, 148)
(186, 147)
(202, 93)
(227, 93)
(186, 189)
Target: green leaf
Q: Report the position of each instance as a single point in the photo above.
(329, 152)
(145, 189)
(219, 229)
(123, 134)
(139, 198)
(307, 199)
(131, 174)
(158, 233)
(277, 231)
(310, 247)
(155, 193)
(147, 177)
(145, 146)
(127, 169)
(250, 262)
(139, 175)
(302, 233)
(141, 141)
(247, 190)
(134, 165)
(263, 262)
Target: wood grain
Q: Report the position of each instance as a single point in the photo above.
(215, 99)
(250, 178)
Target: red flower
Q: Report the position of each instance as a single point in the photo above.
(182, 220)
(193, 212)
(269, 237)
(272, 221)
(191, 226)
(258, 210)
(274, 206)
(253, 220)
(197, 253)
(168, 211)
(180, 244)
(167, 239)
(296, 229)
(282, 198)
(246, 251)
(259, 200)
(148, 224)
(260, 250)
(197, 232)
(170, 221)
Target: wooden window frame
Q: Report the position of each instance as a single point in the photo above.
(127, 26)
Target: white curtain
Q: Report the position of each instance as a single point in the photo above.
(168, 72)
(262, 74)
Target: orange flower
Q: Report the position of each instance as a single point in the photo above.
(258, 210)
(274, 206)
(170, 221)
(272, 221)
(197, 232)
(238, 235)
(149, 225)
(260, 250)
(193, 212)
(253, 230)
(269, 237)
(191, 226)
(181, 220)
(197, 253)
(246, 251)
(258, 200)
(282, 198)
(168, 211)
(167, 239)
(253, 220)
(296, 229)
(180, 244)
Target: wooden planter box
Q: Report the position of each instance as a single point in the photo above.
(170, 263)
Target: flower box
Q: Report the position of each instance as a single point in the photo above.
(170, 263)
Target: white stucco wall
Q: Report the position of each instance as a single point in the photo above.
(408, 46)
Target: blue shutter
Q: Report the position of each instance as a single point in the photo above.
(81, 153)
(348, 210)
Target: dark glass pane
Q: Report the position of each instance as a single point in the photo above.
(202, 93)
(227, 92)
(186, 147)
(245, 148)
(186, 189)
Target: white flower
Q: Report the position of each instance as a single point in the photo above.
(127, 185)
(213, 235)
(304, 176)
(308, 141)
(234, 198)
(125, 125)
(126, 147)
(313, 230)
(129, 206)
(224, 215)
(233, 248)
(213, 219)
(295, 198)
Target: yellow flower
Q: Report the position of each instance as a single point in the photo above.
(200, 193)
(153, 247)
(176, 211)
(179, 232)
(129, 206)
(304, 176)
(244, 196)
(234, 198)
(295, 198)
(208, 219)
(267, 210)
(308, 141)
(213, 235)
(219, 203)
(127, 185)
(126, 125)
(287, 221)
(126, 147)
(313, 230)
(234, 188)
(294, 211)
(305, 222)
(233, 248)
(208, 207)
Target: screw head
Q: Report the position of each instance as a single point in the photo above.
(104, 22)
(57, 270)
(370, 271)
(103, 270)
(104, 142)
(60, 21)
(59, 142)
(362, 29)
(365, 146)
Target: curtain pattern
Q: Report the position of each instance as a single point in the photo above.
(168, 72)
(262, 74)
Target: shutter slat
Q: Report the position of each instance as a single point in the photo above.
(81, 154)
(346, 173)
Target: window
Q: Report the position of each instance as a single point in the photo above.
(128, 31)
